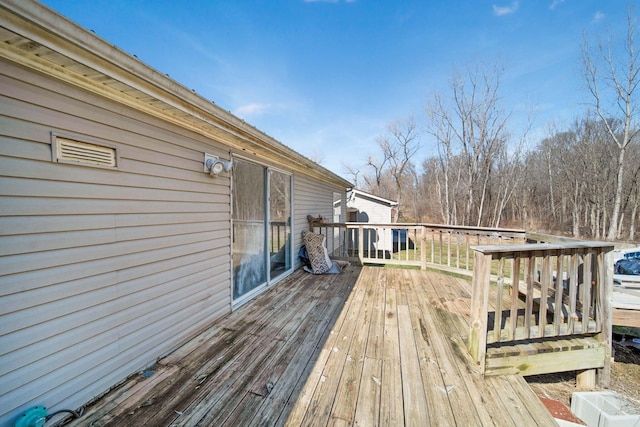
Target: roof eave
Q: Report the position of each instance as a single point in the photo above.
(45, 26)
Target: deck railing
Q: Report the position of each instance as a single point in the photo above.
(556, 294)
(452, 248)
(565, 290)
(423, 245)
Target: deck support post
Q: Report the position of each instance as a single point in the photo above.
(586, 380)
(604, 305)
(479, 308)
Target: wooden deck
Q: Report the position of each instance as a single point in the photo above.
(371, 346)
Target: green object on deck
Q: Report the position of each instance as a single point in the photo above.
(33, 417)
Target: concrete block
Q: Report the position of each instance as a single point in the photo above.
(604, 409)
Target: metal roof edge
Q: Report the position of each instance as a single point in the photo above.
(391, 203)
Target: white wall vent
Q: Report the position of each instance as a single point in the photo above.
(71, 151)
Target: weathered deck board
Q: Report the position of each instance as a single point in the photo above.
(413, 390)
(436, 384)
(391, 407)
(371, 346)
(468, 406)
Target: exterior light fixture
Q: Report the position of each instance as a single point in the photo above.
(213, 165)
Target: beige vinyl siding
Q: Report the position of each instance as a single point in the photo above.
(315, 198)
(101, 271)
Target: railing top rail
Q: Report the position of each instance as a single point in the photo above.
(384, 224)
(550, 238)
(533, 247)
(437, 226)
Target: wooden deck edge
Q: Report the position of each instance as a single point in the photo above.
(624, 317)
(522, 392)
(547, 363)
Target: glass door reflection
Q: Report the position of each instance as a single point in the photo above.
(249, 269)
(279, 223)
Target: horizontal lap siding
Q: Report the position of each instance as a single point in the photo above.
(314, 198)
(376, 212)
(101, 271)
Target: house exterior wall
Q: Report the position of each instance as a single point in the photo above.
(315, 198)
(102, 271)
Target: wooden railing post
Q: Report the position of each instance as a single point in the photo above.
(479, 307)
(605, 296)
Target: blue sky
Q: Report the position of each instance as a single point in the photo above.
(325, 77)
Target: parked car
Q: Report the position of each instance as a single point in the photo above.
(401, 241)
(628, 253)
(628, 266)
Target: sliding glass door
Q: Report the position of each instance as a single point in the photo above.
(249, 218)
(279, 223)
(261, 227)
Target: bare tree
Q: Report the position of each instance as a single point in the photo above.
(635, 202)
(398, 146)
(374, 183)
(441, 129)
(352, 171)
(507, 178)
(615, 98)
(471, 128)
(433, 192)
(632, 199)
(579, 164)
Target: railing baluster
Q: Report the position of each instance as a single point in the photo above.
(408, 247)
(558, 313)
(530, 277)
(586, 292)
(545, 281)
(361, 243)
(433, 247)
(573, 291)
(468, 249)
(497, 323)
(515, 293)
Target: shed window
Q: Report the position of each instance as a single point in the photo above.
(67, 150)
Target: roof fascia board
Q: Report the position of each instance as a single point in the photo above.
(372, 197)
